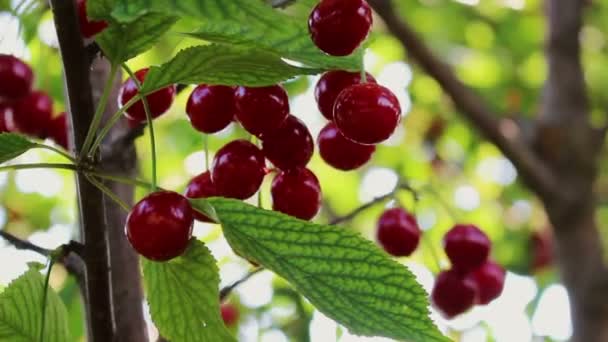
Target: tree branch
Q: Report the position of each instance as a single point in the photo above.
(504, 134)
(225, 292)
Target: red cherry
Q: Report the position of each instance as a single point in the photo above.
(6, 112)
(88, 28)
(32, 114)
(289, 146)
(159, 227)
(238, 169)
(331, 84)
(542, 250)
(339, 26)
(466, 246)
(297, 193)
(453, 294)
(261, 110)
(398, 232)
(58, 130)
(159, 101)
(490, 280)
(367, 113)
(211, 107)
(341, 153)
(230, 314)
(201, 186)
(16, 77)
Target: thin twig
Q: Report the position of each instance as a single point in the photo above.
(24, 244)
(228, 289)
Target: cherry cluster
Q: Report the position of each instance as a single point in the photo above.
(24, 110)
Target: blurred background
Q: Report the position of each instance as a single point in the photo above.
(494, 45)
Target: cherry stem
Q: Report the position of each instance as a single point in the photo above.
(363, 73)
(38, 166)
(118, 179)
(101, 107)
(44, 297)
(225, 292)
(448, 209)
(150, 125)
(56, 150)
(108, 192)
(113, 120)
(206, 146)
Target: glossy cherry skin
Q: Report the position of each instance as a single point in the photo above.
(58, 130)
(467, 247)
(16, 78)
(339, 26)
(453, 294)
(290, 146)
(230, 314)
(211, 107)
(261, 110)
(341, 153)
(32, 114)
(88, 28)
(159, 101)
(238, 169)
(398, 232)
(159, 226)
(5, 111)
(201, 186)
(297, 193)
(331, 84)
(490, 281)
(367, 113)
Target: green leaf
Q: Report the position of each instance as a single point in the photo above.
(222, 64)
(183, 296)
(243, 22)
(121, 42)
(100, 9)
(21, 306)
(344, 275)
(13, 145)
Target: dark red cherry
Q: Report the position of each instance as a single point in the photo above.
(297, 193)
(201, 186)
(6, 112)
(230, 314)
(211, 107)
(159, 226)
(467, 247)
(453, 293)
(339, 26)
(88, 28)
(32, 114)
(341, 153)
(261, 110)
(398, 232)
(541, 246)
(331, 84)
(367, 113)
(290, 146)
(159, 101)
(16, 78)
(238, 169)
(58, 130)
(490, 280)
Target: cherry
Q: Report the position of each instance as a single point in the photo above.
(238, 169)
(541, 250)
(339, 26)
(211, 107)
(261, 110)
(88, 28)
(297, 193)
(159, 101)
(398, 232)
(159, 226)
(58, 130)
(466, 246)
(5, 111)
(32, 114)
(201, 186)
(290, 146)
(367, 113)
(490, 280)
(453, 294)
(331, 84)
(230, 314)
(341, 153)
(16, 77)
